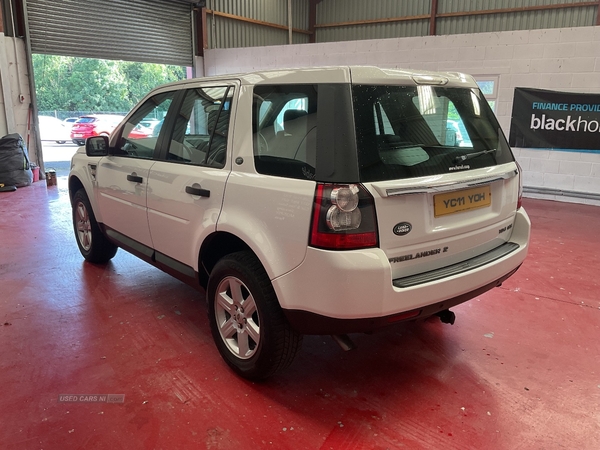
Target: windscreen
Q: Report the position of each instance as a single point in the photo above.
(86, 120)
(413, 131)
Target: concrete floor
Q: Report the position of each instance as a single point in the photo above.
(520, 369)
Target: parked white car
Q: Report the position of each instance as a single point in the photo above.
(313, 201)
(69, 122)
(53, 129)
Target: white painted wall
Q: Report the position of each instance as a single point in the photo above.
(15, 97)
(563, 59)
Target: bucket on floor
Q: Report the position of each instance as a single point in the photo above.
(36, 172)
(51, 177)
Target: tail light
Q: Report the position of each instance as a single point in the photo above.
(343, 218)
(520, 197)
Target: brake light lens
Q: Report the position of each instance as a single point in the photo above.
(343, 218)
(520, 197)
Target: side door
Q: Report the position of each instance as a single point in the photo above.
(186, 186)
(122, 176)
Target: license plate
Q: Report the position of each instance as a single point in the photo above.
(78, 135)
(459, 201)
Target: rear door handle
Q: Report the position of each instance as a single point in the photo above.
(197, 191)
(134, 178)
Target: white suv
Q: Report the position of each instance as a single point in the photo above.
(314, 201)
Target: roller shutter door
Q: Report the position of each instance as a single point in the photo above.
(156, 31)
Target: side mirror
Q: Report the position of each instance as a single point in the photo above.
(96, 146)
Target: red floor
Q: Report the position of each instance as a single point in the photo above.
(520, 369)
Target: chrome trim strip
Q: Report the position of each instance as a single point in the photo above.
(451, 186)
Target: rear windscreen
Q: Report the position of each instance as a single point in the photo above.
(412, 131)
(86, 120)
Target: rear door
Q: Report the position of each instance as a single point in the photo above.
(186, 186)
(440, 197)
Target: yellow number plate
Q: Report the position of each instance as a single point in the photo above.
(459, 201)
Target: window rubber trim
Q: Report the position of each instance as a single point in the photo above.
(458, 268)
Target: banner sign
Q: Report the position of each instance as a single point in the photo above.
(551, 119)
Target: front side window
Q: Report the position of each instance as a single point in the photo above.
(411, 131)
(201, 128)
(140, 134)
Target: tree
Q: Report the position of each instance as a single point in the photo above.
(95, 85)
(144, 77)
(82, 84)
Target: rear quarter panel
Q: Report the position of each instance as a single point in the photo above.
(270, 214)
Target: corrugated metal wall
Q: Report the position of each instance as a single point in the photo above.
(224, 32)
(529, 20)
(131, 30)
(227, 33)
(336, 11)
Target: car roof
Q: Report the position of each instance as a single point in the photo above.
(338, 74)
(102, 117)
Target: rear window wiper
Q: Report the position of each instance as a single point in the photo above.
(462, 158)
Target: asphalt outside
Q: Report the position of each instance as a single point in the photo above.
(58, 157)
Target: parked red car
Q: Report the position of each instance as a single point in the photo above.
(139, 132)
(93, 125)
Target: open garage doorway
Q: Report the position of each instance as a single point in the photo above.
(78, 96)
(110, 42)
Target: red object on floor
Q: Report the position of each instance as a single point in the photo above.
(519, 369)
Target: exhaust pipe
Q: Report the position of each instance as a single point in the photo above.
(344, 341)
(447, 316)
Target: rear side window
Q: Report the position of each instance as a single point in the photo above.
(412, 131)
(285, 130)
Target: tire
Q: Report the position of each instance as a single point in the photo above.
(248, 326)
(60, 142)
(93, 245)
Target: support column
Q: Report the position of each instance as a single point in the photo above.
(433, 19)
(312, 20)
(290, 33)
(10, 125)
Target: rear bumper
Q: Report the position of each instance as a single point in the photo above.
(341, 292)
(310, 323)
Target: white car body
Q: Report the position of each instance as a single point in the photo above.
(53, 129)
(428, 256)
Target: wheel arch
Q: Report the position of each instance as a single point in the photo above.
(215, 247)
(74, 185)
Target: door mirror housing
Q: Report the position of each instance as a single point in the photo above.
(96, 146)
